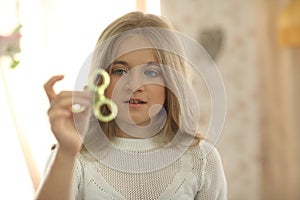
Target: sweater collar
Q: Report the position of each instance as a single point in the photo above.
(138, 144)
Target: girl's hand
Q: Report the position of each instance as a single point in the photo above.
(61, 116)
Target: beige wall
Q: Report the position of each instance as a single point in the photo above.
(258, 142)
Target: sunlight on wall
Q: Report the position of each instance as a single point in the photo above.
(57, 36)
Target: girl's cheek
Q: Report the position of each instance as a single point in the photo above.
(108, 93)
(110, 90)
(115, 90)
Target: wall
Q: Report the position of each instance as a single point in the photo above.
(237, 60)
(260, 140)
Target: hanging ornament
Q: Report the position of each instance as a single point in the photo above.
(10, 46)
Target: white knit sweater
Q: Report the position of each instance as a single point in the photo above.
(192, 176)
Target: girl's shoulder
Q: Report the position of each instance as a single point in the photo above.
(207, 164)
(204, 150)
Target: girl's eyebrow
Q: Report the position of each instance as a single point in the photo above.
(127, 65)
(152, 63)
(120, 62)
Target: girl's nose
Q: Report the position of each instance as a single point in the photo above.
(134, 81)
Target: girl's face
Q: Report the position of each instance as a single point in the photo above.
(136, 84)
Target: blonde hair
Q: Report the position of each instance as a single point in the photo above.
(180, 114)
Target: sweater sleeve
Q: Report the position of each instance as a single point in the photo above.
(213, 184)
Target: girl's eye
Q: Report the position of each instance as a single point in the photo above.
(151, 73)
(119, 71)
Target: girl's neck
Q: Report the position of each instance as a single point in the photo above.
(131, 131)
(122, 134)
(139, 131)
(134, 131)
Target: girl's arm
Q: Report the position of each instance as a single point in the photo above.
(58, 181)
(59, 178)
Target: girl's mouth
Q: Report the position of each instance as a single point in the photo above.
(135, 101)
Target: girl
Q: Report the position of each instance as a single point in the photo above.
(151, 149)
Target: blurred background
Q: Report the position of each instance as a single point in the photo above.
(255, 44)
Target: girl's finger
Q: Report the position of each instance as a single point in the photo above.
(48, 86)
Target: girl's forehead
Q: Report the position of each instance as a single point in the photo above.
(138, 57)
(132, 43)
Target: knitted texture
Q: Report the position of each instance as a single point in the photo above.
(197, 174)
